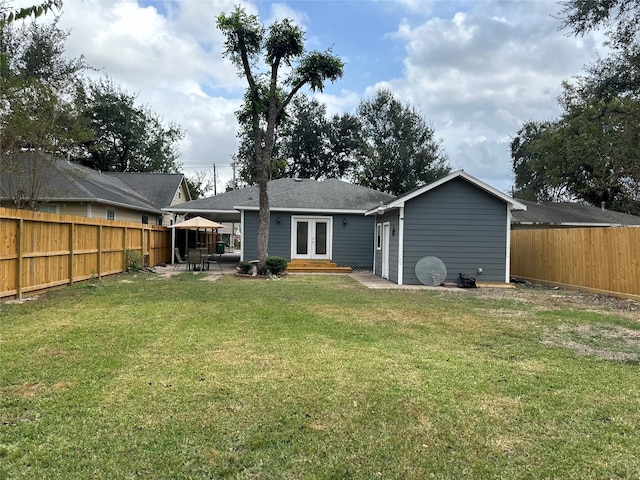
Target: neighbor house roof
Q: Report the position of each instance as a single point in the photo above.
(400, 200)
(160, 188)
(63, 181)
(566, 214)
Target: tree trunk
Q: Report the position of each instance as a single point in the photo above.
(265, 214)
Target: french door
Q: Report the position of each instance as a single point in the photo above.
(311, 237)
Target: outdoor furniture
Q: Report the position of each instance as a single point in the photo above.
(179, 259)
(194, 258)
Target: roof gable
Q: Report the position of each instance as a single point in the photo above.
(400, 200)
(159, 188)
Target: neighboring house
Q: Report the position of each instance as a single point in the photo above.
(54, 185)
(458, 219)
(162, 189)
(569, 215)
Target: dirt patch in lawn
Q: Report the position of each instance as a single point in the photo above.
(547, 298)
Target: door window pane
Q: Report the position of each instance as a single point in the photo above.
(321, 238)
(302, 234)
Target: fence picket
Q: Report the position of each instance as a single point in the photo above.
(45, 250)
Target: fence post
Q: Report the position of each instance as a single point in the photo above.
(99, 252)
(72, 228)
(19, 259)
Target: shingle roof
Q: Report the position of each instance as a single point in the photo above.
(159, 188)
(60, 181)
(570, 214)
(291, 194)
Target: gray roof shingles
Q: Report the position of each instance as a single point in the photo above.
(565, 213)
(67, 181)
(292, 194)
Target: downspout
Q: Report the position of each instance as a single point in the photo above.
(375, 242)
(173, 241)
(241, 235)
(508, 253)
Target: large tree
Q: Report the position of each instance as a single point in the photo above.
(269, 92)
(591, 152)
(127, 137)
(308, 143)
(38, 112)
(399, 151)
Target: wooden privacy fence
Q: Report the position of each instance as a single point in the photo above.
(42, 250)
(605, 260)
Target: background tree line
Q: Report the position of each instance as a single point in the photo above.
(49, 104)
(385, 145)
(591, 153)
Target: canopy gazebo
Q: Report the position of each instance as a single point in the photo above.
(197, 224)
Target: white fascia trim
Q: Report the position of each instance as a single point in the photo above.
(400, 246)
(197, 210)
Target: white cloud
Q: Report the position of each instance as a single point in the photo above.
(476, 69)
(480, 74)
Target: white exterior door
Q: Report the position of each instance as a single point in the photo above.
(311, 237)
(385, 250)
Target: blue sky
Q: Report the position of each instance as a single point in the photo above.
(476, 70)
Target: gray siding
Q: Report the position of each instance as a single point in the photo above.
(279, 235)
(462, 225)
(352, 242)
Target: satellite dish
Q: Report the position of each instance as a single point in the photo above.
(431, 271)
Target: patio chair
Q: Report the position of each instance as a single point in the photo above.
(194, 258)
(178, 260)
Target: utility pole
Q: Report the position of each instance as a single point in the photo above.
(215, 182)
(233, 168)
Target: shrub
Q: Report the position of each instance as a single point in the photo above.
(276, 265)
(134, 261)
(245, 267)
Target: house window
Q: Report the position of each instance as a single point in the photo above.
(145, 219)
(49, 209)
(111, 214)
(379, 236)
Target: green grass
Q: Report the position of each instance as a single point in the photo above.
(313, 377)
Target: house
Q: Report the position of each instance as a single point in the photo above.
(54, 185)
(162, 189)
(568, 215)
(458, 219)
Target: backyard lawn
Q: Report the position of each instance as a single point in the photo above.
(138, 376)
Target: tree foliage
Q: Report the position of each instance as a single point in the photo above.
(591, 152)
(398, 151)
(127, 137)
(270, 90)
(620, 19)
